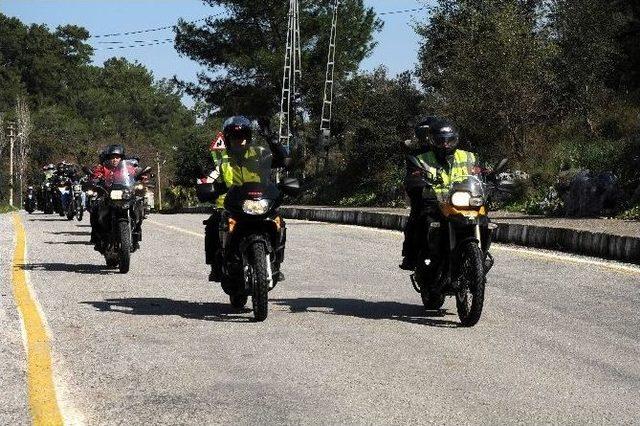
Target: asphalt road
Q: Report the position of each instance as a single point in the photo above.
(346, 341)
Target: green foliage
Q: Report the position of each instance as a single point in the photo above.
(243, 52)
(6, 208)
(78, 108)
(177, 197)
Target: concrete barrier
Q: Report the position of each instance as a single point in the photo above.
(608, 246)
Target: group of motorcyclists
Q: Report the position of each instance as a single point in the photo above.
(447, 236)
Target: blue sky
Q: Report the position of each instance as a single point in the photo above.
(397, 43)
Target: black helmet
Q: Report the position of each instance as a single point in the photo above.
(444, 137)
(423, 128)
(237, 133)
(113, 150)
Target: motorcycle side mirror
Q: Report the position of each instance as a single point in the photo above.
(143, 172)
(290, 186)
(501, 165)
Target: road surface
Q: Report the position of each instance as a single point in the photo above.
(346, 342)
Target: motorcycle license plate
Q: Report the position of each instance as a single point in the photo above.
(116, 195)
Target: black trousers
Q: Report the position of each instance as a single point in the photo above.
(422, 213)
(212, 237)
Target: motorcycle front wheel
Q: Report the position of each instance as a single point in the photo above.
(80, 209)
(260, 280)
(238, 301)
(124, 252)
(470, 296)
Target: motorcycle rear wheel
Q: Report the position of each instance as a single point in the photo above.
(124, 252)
(470, 297)
(432, 300)
(258, 267)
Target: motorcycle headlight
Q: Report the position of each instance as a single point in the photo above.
(139, 187)
(90, 192)
(256, 207)
(461, 199)
(77, 188)
(118, 194)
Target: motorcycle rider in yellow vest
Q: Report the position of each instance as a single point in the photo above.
(437, 140)
(238, 159)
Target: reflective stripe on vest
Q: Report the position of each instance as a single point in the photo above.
(462, 165)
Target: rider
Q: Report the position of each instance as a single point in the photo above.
(437, 140)
(237, 160)
(103, 173)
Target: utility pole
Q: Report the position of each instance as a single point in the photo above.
(158, 180)
(11, 142)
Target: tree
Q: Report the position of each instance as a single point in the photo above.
(24, 128)
(484, 64)
(243, 51)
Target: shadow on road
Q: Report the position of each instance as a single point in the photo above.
(414, 314)
(69, 267)
(70, 233)
(62, 219)
(79, 243)
(183, 308)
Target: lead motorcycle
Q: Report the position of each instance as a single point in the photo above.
(455, 259)
(253, 236)
(118, 217)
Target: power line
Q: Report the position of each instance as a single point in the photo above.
(397, 12)
(162, 41)
(154, 42)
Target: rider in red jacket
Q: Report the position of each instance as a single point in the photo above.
(110, 166)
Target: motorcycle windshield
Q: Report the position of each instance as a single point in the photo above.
(120, 177)
(254, 166)
(469, 184)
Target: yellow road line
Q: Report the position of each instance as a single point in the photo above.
(175, 228)
(42, 394)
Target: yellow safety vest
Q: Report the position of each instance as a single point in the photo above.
(461, 164)
(233, 173)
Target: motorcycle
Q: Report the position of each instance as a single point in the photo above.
(47, 200)
(119, 218)
(455, 259)
(30, 200)
(76, 204)
(252, 236)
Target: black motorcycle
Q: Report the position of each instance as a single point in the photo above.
(47, 197)
(75, 205)
(30, 200)
(252, 236)
(118, 217)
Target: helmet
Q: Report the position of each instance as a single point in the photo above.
(113, 150)
(134, 160)
(444, 137)
(423, 128)
(237, 134)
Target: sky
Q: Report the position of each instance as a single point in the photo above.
(396, 49)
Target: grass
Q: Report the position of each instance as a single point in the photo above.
(6, 208)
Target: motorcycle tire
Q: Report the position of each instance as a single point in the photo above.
(432, 301)
(80, 212)
(124, 252)
(472, 285)
(259, 296)
(238, 301)
(70, 214)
